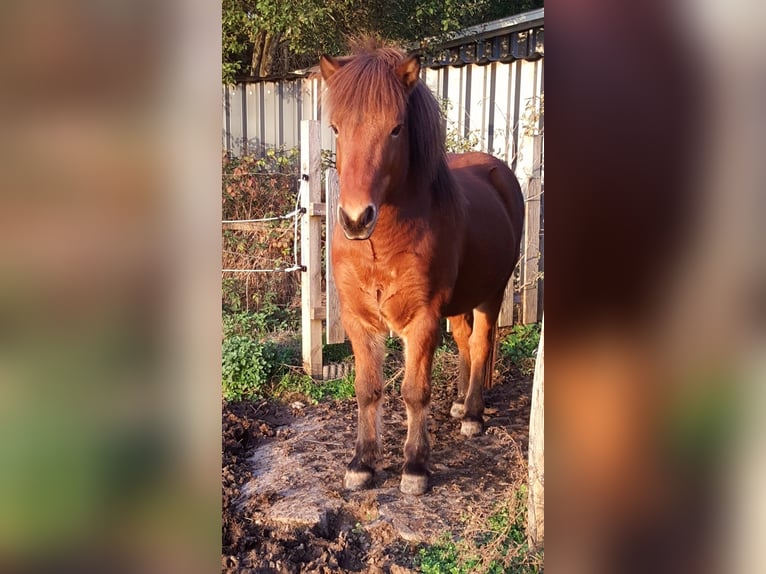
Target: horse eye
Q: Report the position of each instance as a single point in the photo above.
(397, 130)
(334, 129)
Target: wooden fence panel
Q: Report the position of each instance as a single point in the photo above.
(505, 319)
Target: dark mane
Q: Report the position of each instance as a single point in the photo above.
(365, 87)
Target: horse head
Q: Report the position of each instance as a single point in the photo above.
(368, 114)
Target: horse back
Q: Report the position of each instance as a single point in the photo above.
(506, 186)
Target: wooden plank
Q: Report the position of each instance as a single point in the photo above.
(335, 332)
(531, 254)
(318, 313)
(336, 371)
(536, 461)
(505, 318)
(311, 248)
(317, 209)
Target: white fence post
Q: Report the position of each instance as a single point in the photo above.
(311, 249)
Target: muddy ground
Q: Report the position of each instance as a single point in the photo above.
(284, 506)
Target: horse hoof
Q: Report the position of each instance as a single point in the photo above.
(457, 411)
(471, 428)
(357, 479)
(415, 484)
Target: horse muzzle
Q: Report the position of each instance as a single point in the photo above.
(359, 225)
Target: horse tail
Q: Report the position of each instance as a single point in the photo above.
(489, 365)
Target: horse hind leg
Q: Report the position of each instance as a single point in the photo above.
(481, 344)
(368, 386)
(461, 325)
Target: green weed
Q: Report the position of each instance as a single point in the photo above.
(248, 364)
(443, 558)
(294, 382)
(337, 353)
(250, 356)
(494, 544)
(269, 318)
(520, 346)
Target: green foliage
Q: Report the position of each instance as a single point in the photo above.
(315, 391)
(268, 319)
(442, 558)
(250, 361)
(237, 36)
(339, 389)
(264, 37)
(520, 346)
(338, 353)
(328, 160)
(458, 142)
(255, 362)
(497, 545)
(248, 364)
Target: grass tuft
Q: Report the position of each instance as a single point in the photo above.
(493, 541)
(519, 347)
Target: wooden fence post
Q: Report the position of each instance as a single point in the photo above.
(531, 246)
(335, 332)
(536, 463)
(311, 249)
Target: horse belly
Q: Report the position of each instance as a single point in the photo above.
(473, 289)
(490, 253)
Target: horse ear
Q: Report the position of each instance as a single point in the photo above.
(409, 71)
(328, 65)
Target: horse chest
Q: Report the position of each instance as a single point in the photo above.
(395, 290)
(409, 290)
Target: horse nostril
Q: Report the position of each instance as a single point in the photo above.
(368, 216)
(359, 227)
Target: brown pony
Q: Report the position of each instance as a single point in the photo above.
(421, 236)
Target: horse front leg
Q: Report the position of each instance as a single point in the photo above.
(369, 348)
(420, 339)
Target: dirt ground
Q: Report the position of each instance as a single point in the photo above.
(284, 506)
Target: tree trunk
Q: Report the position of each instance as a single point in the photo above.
(258, 52)
(265, 67)
(268, 65)
(265, 46)
(535, 500)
